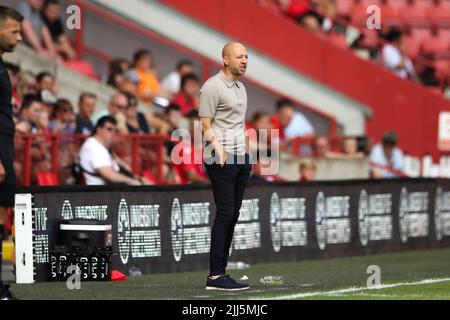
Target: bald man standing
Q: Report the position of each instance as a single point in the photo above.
(223, 103)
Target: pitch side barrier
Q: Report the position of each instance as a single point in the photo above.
(167, 228)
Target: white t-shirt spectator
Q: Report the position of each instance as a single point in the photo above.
(378, 157)
(298, 127)
(172, 82)
(392, 57)
(94, 155)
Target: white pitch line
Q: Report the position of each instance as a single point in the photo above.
(353, 289)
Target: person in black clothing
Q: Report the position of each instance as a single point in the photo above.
(51, 15)
(136, 121)
(10, 36)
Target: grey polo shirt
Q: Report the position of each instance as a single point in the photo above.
(225, 102)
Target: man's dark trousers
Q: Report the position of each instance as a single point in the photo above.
(228, 184)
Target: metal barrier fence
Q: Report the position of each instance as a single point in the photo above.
(56, 153)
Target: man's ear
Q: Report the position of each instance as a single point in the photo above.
(225, 61)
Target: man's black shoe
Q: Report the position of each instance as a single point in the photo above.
(225, 283)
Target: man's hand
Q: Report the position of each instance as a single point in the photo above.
(2, 172)
(222, 155)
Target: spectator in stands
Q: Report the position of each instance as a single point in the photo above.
(322, 148)
(188, 97)
(29, 114)
(46, 86)
(308, 170)
(261, 141)
(394, 57)
(117, 70)
(63, 118)
(191, 169)
(386, 160)
(292, 124)
(173, 116)
(117, 104)
(86, 106)
(99, 165)
(36, 33)
(172, 82)
(350, 148)
(136, 122)
(43, 125)
(26, 85)
(327, 9)
(51, 15)
(310, 21)
(143, 73)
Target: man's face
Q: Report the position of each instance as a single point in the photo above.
(350, 146)
(285, 116)
(263, 123)
(34, 111)
(10, 35)
(36, 4)
(174, 118)
(46, 83)
(87, 106)
(119, 104)
(144, 63)
(191, 88)
(107, 133)
(51, 12)
(321, 147)
(236, 60)
(185, 69)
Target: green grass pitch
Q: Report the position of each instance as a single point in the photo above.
(405, 275)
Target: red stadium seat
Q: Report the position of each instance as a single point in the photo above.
(47, 179)
(442, 68)
(358, 15)
(390, 17)
(420, 34)
(82, 67)
(439, 16)
(444, 35)
(445, 4)
(412, 46)
(397, 4)
(344, 7)
(367, 3)
(423, 4)
(415, 17)
(149, 175)
(435, 46)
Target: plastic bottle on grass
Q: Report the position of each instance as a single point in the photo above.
(272, 280)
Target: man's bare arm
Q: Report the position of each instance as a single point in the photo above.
(209, 135)
(115, 177)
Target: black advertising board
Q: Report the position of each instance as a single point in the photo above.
(167, 228)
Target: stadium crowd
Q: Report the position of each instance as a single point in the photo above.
(96, 136)
(414, 42)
